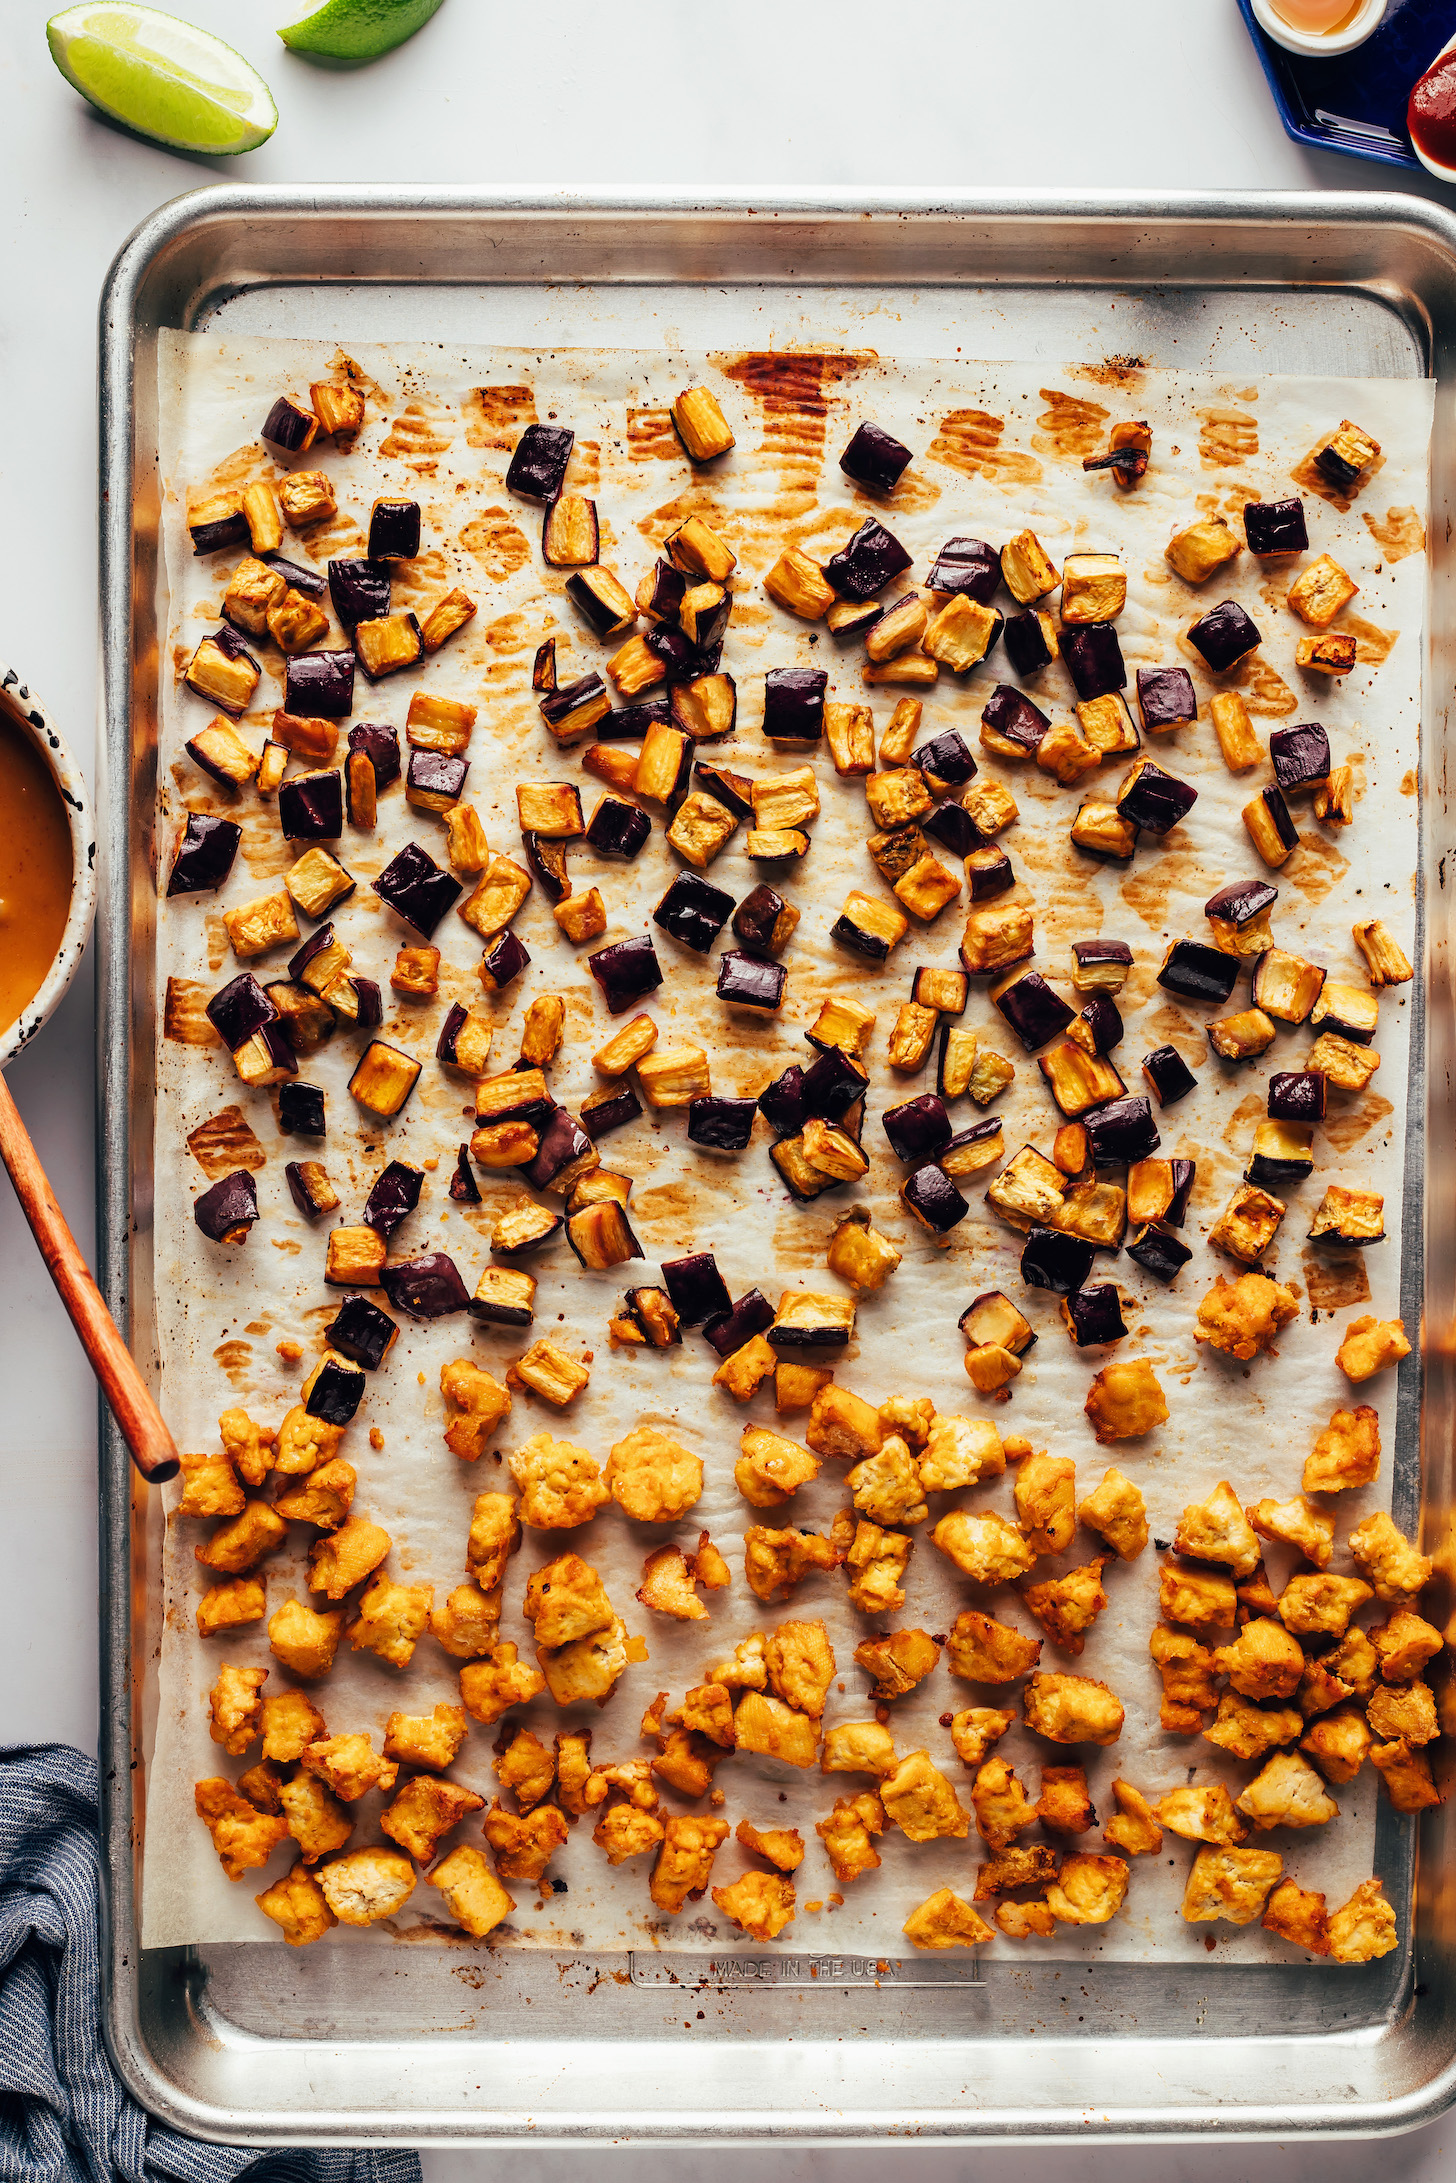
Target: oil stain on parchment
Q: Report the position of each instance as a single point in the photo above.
(1335, 1284)
(497, 416)
(1400, 531)
(794, 391)
(423, 430)
(183, 1019)
(497, 544)
(224, 1142)
(969, 440)
(1068, 426)
(1226, 437)
(650, 436)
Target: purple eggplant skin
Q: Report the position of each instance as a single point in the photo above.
(918, 1129)
(756, 918)
(729, 1330)
(1103, 1019)
(1297, 1095)
(371, 1004)
(968, 566)
(538, 466)
(781, 1103)
(361, 1332)
(1158, 1253)
(681, 659)
(629, 723)
(975, 1135)
(1035, 1013)
(555, 708)
(1155, 800)
(793, 704)
(692, 911)
(875, 458)
(301, 1110)
(563, 1141)
(395, 1195)
(1268, 1173)
(953, 827)
(239, 1009)
(868, 561)
(1122, 1132)
(1094, 659)
(462, 1183)
(1224, 635)
(669, 589)
(1166, 697)
(394, 530)
(445, 1044)
(1169, 1075)
(1051, 1260)
(505, 962)
(1300, 757)
(311, 806)
(1024, 639)
(1007, 711)
(1087, 952)
(228, 1206)
(360, 591)
(336, 1393)
(988, 873)
(1197, 972)
(435, 773)
(716, 782)
(1276, 526)
(618, 829)
(288, 425)
(934, 1199)
(722, 1125)
(204, 855)
(946, 759)
(306, 580)
(696, 1288)
(416, 889)
(313, 945)
(1185, 1173)
(749, 980)
(280, 1048)
(320, 685)
(1280, 816)
(228, 530)
(427, 1287)
(380, 746)
(1094, 1316)
(609, 1110)
(831, 1086)
(1241, 900)
(300, 1190)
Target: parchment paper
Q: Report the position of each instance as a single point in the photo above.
(998, 447)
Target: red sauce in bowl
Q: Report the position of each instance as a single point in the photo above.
(1431, 113)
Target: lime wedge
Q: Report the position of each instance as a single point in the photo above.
(162, 77)
(358, 30)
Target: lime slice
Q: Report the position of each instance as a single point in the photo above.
(162, 77)
(358, 30)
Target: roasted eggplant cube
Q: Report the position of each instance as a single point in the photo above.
(525, 1227)
(971, 1150)
(306, 1019)
(1351, 1218)
(955, 1061)
(1079, 1081)
(1283, 1153)
(384, 1078)
(1224, 636)
(1122, 1133)
(1332, 654)
(960, 636)
(1196, 971)
(361, 1332)
(570, 534)
(1026, 568)
(868, 927)
(749, 981)
(1094, 588)
(317, 881)
(1094, 659)
(1248, 1224)
(609, 1109)
(253, 591)
(227, 1211)
(807, 1319)
(394, 530)
(380, 745)
(617, 829)
(793, 704)
(653, 1311)
(216, 524)
(918, 1129)
(868, 561)
(1093, 1317)
(1098, 1026)
(301, 1110)
(1297, 1095)
(1284, 986)
(764, 922)
(832, 1084)
(224, 671)
(428, 1287)
(311, 806)
(1035, 1012)
(1029, 1191)
(503, 963)
(434, 782)
(1011, 725)
(1166, 698)
(1300, 757)
(601, 1236)
(875, 458)
(945, 991)
(1195, 552)
(966, 567)
(944, 763)
(395, 1195)
(933, 1199)
(1154, 800)
(504, 1296)
(1270, 828)
(722, 1125)
(1168, 1075)
(1030, 640)
(445, 616)
(1239, 915)
(240, 1009)
(1101, 831)
(1350, 1010)
(360, 591)
(1275, 526)
(289, 424)
(416, 889)
(1158, 1253)
(700, 425)
(538, 464)
(385, 646)
(993, 1321)
(333, 1390)
(781, 1103)
(1242, 1037)
(319, 685)
(204, 855)
(1106, 725)
(696, 1287)
(1100, 966)
(313, 1194)
(1344, 455)
(1051, 1260)
(692, 911)
(572, 713)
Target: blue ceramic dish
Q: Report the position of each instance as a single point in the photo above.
(1355, 102)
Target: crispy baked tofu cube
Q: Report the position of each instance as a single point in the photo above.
(897, 1662)
(1298, 1915)
(775, 1562)
(1067, 1606)
(960, 1451)
(770, 1468)
(588, 1668)
(523, 1844)
(744, 1371)
(1371, 1345)
(1346, 1454)
(983, 1546)
(685, 1860)
(1089, 1890)
(211, 1487)
(1251, 1731)
(1355, 1661)
(236, 1547)
(348, 1766)
(943, 1920)
(1230, 1883)
(886, 1485)
(975, 1729)
(920, 1801)
(1330, 654)
(1339, 1743)
(1242, 1318)
(1116, 1512)
(1321, 591)
(1404, 1642)
(1125, 1401)
(1264, 1660)
(624, 1831)
(1199, 548)
(561, 1486)
(858, 1747)
(298, 1907)
(842, 1424)
(781, 1846)
(1364, 1927)
(565, 1599)
(1071, 1709)
(876, 1561)
(424, 1812)
(495, 1531)
(1046, 1497)
(1133, 1828)
(761, 1904)
(800, 1663)
(1066, 753)
(236, 1707)
(1002, 1807)
(304, 1640)
(315, 1818)
(473, 1895)
(548, 1372)
(1201, 1814)
(490, 1687)
(1196, 1599)
(1186, 1668)
(480, 1404)
(430, 1740)
(1404, 1711)
(1299, 1523)
(1321, 1604)
(290, 1722)
(1217, 1530)
(243, 1837)
(667, 1586)
(653, 1479)
(365, 1885)
(468, 1623)
(1287, 1792)
(346, 1557)
(860, 1255)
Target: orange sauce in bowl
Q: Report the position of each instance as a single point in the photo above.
(35, 871)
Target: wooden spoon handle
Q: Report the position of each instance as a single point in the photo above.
(153, 1449)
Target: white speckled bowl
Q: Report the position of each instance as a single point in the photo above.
(1362, 25)
(30, 716)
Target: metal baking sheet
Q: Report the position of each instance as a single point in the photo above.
(262, 2045)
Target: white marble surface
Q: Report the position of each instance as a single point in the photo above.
(979, 93)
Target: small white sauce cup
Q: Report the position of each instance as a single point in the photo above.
(1364, 21)
(24, 709)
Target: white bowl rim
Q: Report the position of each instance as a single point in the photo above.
(1437, 167)
(23, 707)
(1314, 43)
